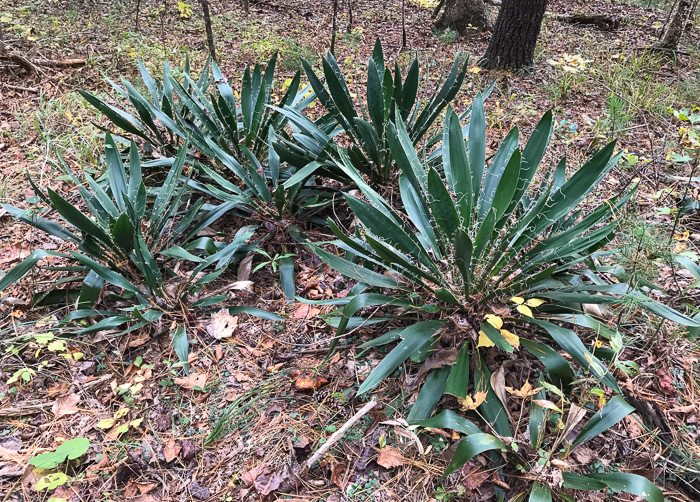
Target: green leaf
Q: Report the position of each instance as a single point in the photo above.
(353, 271)
(458, 381)
(429, 395)
(181, 345)
(123, 233)
(20, 270)
(610, 414)
(477, 144)
(287, 277)
(74, 448)
(73, 216)
(540, 493)
(619, 481)
(560, 371)
(90, 290)
(448, 419)
(471, 446)
(571, 343)
(414, 338)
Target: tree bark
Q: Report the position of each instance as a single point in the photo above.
(460, 14)
(334, 28)
(675, 24)
(207, 25)
(512, 46)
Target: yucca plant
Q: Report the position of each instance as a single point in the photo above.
(389, 98)
(173, 112)
(488, 253)
(137, 239)
(541, 458)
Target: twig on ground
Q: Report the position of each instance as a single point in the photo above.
(336, 437)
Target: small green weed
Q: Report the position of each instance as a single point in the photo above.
(447, 36)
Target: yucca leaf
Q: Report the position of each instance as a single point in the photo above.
(618, 481)
(477, 145)
(560, 371)
(448, 419)
(18, 271)
(532, 156)
(414, 337)
(123, 233)
(108, 275)
(496, 177)
(537, 420)
(492, 408)
(181, 345)
(48, 226)
(76, 218)
(572, 345)
(458, 381)
(457, 169)
(442, 207)
(375, 96)
(615, 410)
(471, 446)
(353, 271)
(429, 395)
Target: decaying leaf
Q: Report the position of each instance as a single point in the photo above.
(171, 450)
(66, 405)
(222, 324)
(305, 311)
(309, 383)
(525, 392)
(469, 403)
(389, 457)
(192, 381)
(484, 341)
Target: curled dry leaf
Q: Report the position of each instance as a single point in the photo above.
(469, 403)
(309, 383)
(389, 457)
(305, 311)
(191, 381)
(171, 450)
(525, 392)
(222, 324)
(66, 405)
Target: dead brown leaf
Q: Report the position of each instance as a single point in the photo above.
(389, 457)
(305, 311)
(171, 450)
(308, 383)
(7, 455)
(191, 381)
(222, 324)
(65, 405)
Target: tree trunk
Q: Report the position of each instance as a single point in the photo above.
(459, 14)
(207, 25)
(675, 24)
(334, 28)
(514, 39)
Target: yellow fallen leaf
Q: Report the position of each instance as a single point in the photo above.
(511, 338)
(484, 341)
(524, 310)
(525, 392)
(547, 404)
(105, 423)
(534, 302)
(119, 414)
(136, 422)
(494, 321)
(518, 300)
(474, 69)
(469, 403)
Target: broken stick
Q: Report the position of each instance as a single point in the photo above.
(336, 436)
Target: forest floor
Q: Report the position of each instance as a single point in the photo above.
(271, 368)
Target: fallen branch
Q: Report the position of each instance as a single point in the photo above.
(20, 88)
(337, 435)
